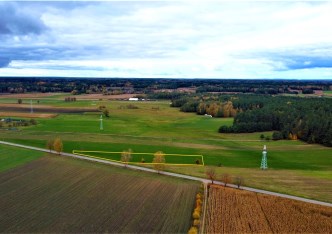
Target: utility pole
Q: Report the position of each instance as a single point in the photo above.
(31, 109)
(264, 159)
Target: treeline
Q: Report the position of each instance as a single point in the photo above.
(214, 105)
(308, 119)
(109, 86)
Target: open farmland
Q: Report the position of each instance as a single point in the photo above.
(236, 211)
(26, 115)
(295, 167)
(55, 194)
(43, 109)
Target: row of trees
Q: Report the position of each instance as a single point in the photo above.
(8, 122)
(139, 85)
(225, 177)
(55, 144)
(158, 159)
(210, 105)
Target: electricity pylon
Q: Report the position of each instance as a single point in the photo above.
(101, 122)
(264, 159)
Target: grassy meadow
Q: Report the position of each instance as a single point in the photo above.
(295, 167)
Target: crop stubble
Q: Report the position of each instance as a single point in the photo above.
(235, 211)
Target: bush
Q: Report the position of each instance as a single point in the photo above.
(193, 230)
(131, 106)
(277, 136)
(198, 209)
(196, 214)
(196, 222)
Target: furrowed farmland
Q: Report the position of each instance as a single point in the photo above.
(235, 211)
(55, 194)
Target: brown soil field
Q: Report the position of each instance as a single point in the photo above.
(28, 95)
(43, 109)
(27, 115)
(105, 97)
(58, 195)
(236, 211)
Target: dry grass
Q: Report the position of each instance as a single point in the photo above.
(58, 195)
(26, 115)
(235, 211)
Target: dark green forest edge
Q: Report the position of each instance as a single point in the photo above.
(307, 119)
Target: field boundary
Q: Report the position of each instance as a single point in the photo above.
(83, 153)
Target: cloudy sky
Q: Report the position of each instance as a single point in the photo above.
(176, 39)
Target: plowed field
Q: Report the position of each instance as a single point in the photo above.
(235, 211)
(55, 194)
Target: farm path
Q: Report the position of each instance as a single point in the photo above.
(205, 181)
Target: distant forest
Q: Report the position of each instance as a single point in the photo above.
(149, 85)
(256, 105)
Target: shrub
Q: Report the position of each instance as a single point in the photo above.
(193, 230)
(277, 136)
(196, 214)
(131, 106)
(198, 209)
(196, 222)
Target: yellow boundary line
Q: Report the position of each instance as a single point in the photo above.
(80, 152)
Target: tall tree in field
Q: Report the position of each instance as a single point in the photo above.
(126, 156)
(211, 174)
(159, 160)
(239, 181)
(50, 144)
(226, 178)
(57, 145)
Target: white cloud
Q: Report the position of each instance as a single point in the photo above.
(214, 39)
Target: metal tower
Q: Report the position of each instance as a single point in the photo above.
(31, 109)
(101, 122)
(264, 159)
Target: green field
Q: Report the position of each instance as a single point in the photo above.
(145, 158)
(11, 157)
(295, 167)
(64, 195)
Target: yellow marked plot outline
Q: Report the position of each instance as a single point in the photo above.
(83, 153)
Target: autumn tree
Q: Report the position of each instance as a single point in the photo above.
(211, 174)
(126, 156)
(57, 145)
(239, 181)
(50, 144)
(226, 178)
(159, 161)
